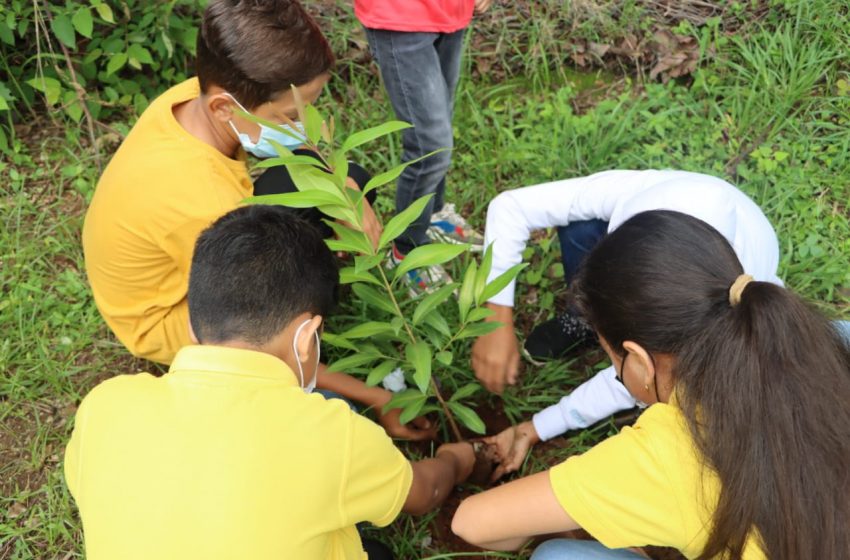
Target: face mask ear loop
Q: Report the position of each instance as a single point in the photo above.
(297, 355)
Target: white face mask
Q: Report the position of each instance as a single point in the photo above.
(312, 385)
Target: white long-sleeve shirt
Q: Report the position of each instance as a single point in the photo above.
(616, 196)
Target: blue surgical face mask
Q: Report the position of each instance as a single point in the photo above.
(262, 148)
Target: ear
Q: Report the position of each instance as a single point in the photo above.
(220, 105)
(307, 337)
(192, 336)
(641, 361)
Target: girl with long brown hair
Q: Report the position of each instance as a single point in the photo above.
(744, 449)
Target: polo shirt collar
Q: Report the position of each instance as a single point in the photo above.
(232, 361)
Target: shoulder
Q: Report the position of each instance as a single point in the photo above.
(118, 391)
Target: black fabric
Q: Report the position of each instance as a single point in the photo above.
(377, 550)
(276, 180)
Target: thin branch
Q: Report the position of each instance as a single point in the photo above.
(80, 93)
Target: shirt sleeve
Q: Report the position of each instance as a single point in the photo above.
(619, 492)
(71, 464)
(513, 215)
(377, 478)
(596, 399)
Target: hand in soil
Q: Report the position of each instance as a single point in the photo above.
(485, 460)
(511, 446)
(464, 458)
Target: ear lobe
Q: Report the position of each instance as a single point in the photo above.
(641, 359)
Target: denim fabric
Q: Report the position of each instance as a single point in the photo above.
(843, 328)
(571, 549)
(420, 72)
(577, 239)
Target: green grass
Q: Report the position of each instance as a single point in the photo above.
(770, 111)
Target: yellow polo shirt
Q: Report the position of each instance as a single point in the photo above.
(226, 457)
(160, 190)
(644, 486)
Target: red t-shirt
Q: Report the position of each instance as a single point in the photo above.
(430, 16)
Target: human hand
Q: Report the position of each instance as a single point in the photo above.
(371, 226)
(463, 455)
(418, 429)
(495, 356)
(482, 6)
(512, 445)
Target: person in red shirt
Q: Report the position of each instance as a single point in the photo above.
(418, 45)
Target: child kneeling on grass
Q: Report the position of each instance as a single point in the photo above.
(228, 455)
(743, 449)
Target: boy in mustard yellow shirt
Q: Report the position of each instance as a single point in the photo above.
(183, 165)
(229, 455)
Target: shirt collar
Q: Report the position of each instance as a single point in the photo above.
(232, 361)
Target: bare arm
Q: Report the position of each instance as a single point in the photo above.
(375, 398)
(433, 479)
(507, 516)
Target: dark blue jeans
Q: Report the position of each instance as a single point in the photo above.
(420, 72)
(577, 239)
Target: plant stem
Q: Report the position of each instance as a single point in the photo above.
(446, 410)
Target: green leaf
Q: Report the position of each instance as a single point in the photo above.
(428, 255)
(7, 34)
(50, 87)
(363, 136)
(83, 22)
(438, 323)
(340, 165)
(352, 361)
(467, 417)
(312, 124)
(116, 63)
(402, 220)
(380, 372)
(419, 356)
(370, 296)
(478, 329)
(467, 291)
(483, 272)
(290, 160)
(357, 240)
(391, 175)
(411, 411)
(404, 399)
(498, 284)
(140, 53)
(64, 30)
(368, 329)
(431, 301)
(4, 105)
(362, 263)
(105, 12)
(72, 105)
(338, 341)
(466, 391)
(444, 357)
(302, 199)
(479, 313)
(349, 275)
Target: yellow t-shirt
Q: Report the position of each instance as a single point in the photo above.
(161, 189)
(226, 457)
(644, 486)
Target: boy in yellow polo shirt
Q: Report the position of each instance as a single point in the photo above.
(229, 455)
(183, 165)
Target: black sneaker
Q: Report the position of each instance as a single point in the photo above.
(554, 338)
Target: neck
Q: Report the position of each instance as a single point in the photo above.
(197, 120)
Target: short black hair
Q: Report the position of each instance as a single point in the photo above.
(254, 270)
(257, 49)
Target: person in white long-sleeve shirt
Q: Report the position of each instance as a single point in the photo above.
(584, 209)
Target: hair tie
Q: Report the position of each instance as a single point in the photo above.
(737, 288)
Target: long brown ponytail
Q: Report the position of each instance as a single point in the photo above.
(764, 384)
